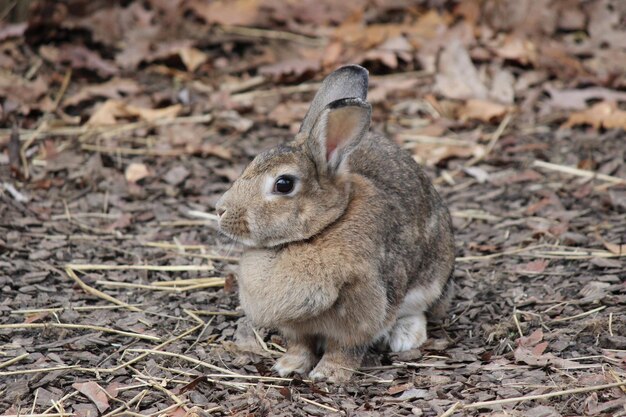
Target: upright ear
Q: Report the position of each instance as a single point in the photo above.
(349, 81)
(340, 127)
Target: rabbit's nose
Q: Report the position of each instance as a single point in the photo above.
(220, 211)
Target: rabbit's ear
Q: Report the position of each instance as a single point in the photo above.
(338, 129)
(349, 81)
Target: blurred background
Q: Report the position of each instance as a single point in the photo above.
(122, 122)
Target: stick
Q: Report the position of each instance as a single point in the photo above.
(70, 272)
(542, 396)
(12, 361)
(78, 327)
(162, 268)
(35, 371)
(315, 403)
(577, 316)
(578, 172)
(451, 410)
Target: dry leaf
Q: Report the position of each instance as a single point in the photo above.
(151, 115)
(525, 355)
(192, 58)
(290, 69)
(483, 110)
(136, 171)
(285, 114)
(576, 99)
(107, 112)
(457, 77)
(432, 154)
(614, 248)
(605, 114)
(115, 88)
(111, 110)
(78, 57)
(95, 393)
(229, 12)
(535, 267)
(517, 49)
(530, 340)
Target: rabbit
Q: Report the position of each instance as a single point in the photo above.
(347, 243)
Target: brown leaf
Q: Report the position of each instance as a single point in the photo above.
(535, 267)
(396, 389)
(457, 77)
(230, 12)
(122, 222)
(525, 355)
(290, 69)
(78, 57)
(115, 88)
(432, 154)
(605, 114)
(192, 57)
(615, 248)
(517, 49)
(151, 115)
(15, 30)
(530, 340)
(111, 110)
(286, 114)
(576, 99)
(95, 393)
(483, 110)
(136, 171)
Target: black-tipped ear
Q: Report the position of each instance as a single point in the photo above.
(349, 81)
(338, 129)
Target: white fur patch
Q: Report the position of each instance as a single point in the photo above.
(408, 333)
(289, 364)
(418, 299)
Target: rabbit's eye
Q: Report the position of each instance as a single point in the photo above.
(284, 184)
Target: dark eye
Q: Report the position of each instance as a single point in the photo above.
(284, 184)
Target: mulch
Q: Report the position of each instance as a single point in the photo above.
(119, 296)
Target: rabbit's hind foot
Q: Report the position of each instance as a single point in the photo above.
(408, 333)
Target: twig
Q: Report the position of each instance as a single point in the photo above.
(40, 415)
(578, 172)
(451, 410)
(70, 272)
(209, 283)
(36, 371)
(271, 34)
(513, 400)
(495, 136)
(315, 403)
(161, 268)
(184, 357)
(14, 360)
(143, 355)
(78, 327)
(577, 316)
(519, 327)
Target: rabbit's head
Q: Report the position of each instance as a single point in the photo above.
(294, 191)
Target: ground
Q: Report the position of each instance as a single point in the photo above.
(124, 122)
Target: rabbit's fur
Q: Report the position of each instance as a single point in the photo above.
(359, 251)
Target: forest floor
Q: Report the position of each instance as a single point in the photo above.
(123, 122)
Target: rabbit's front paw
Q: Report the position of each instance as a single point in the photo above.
(300, 362)
(408, 333)
(331, 372)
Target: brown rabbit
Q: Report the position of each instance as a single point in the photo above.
(347, 242)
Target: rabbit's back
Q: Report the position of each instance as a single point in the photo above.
(417, 235)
